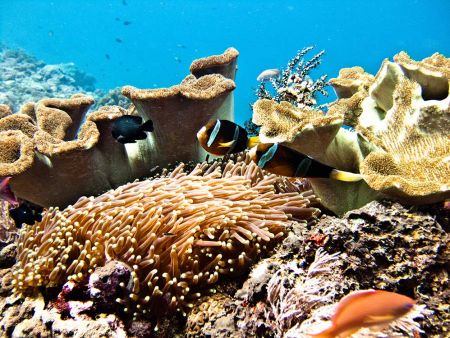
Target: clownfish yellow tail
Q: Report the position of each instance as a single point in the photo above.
(253, 141)
(345, 176)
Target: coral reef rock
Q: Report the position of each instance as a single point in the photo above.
(380, 246)
(400, 137)
(26, 79)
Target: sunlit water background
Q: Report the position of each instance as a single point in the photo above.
(151, 44)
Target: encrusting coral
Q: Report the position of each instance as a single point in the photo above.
(176, 233)
(55, 151)
(400, 137)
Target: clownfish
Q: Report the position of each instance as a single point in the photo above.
(222, 137)
(281, 160)
(129, 128)
(366, 308)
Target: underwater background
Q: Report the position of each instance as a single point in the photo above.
(136, 217)
(151, 44)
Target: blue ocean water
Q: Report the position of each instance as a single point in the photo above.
(151, 44)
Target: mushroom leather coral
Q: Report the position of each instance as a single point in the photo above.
(180, 111)
(56, 153)
(176, 233)
(401, 143)
(54, 157)
(224, 64)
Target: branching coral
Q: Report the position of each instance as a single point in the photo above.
(294, 84)
(56, 152)
(293, 292)
(300, 300)
(176, 233)
(401, 138)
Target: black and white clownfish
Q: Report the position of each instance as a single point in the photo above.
(222, 137)
(281, 160)
(129, 128)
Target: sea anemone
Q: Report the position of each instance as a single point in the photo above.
(176, 233)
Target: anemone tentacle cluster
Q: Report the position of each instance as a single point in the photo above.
(177, 233)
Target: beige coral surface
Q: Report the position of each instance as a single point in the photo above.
(56, 151)
(400, 138)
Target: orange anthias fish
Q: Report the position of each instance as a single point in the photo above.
(366, 308)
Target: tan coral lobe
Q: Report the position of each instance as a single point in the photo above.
(401, 144)
(224, 64)
(177, 233)
(179, 112)
(57, 152)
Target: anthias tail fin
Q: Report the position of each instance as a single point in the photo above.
(345, 176)
(327, 333)
(253, 141)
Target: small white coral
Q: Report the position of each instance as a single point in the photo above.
(294, 292)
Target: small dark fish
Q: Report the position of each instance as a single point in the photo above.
(129, 128)
(117, 19)
(124, 3)
(6, 193)
(107, 56)
(118, 40)
(222, 137)
(177, 59)
(126, 23)
(284, 161)
(25, 213)
(179, 45)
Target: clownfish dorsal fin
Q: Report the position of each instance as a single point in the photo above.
(253, 141)
(214, 133)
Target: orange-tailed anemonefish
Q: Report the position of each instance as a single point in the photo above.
(365, 309)
(222, 137)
